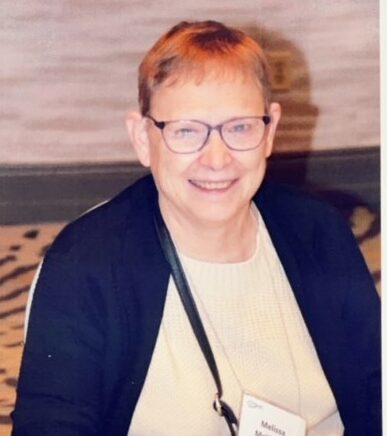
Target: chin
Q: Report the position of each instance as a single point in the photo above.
(212, 216)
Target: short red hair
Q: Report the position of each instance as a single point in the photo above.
(201, 48)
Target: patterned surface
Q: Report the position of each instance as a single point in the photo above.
(22, 248)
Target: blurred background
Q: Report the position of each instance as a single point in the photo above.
(68, 76)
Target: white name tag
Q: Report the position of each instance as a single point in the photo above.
(259, 418)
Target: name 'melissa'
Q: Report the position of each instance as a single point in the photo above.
(271, 427)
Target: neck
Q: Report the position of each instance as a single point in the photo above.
(228, 242)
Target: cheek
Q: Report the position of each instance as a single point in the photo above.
(267, 146)
(169, 167)
(255, 169)
(254, 162)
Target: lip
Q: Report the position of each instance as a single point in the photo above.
(212, 186)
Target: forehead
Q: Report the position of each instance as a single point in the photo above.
(211, 96)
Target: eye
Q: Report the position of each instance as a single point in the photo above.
(183, 130)
(240, 127)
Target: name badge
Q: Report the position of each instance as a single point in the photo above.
(259, 418)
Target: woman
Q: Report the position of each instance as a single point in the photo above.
(286, 302)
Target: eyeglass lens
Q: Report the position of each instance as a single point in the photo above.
(190, 136)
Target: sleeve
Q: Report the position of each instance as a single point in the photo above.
(362, 310)
(59, 389)
(360, 314)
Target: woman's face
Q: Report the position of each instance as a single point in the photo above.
(213, 186)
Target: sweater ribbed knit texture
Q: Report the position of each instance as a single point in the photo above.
(261, 346)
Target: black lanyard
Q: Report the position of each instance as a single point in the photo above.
(193, 315)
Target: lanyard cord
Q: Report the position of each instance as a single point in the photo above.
(192, 312)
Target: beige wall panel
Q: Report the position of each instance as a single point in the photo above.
(68, 71)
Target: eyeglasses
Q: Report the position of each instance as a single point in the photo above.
(190, 136)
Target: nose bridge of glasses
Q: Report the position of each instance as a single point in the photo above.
(210, 130)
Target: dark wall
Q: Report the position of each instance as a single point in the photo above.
(30, 194)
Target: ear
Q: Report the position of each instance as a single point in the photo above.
(136, 125)
(275, 115)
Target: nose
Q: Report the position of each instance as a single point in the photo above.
(215, 154)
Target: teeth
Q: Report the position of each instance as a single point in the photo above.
(212, 185)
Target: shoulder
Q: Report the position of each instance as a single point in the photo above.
(306, 222)
(288, 203)
(105, 226)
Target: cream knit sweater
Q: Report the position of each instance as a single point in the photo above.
(261, 346)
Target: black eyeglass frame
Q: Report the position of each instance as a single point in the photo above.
(162, 124)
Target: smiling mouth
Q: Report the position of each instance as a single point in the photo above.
(212, 186)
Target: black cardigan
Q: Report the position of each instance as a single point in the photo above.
(99, 301)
